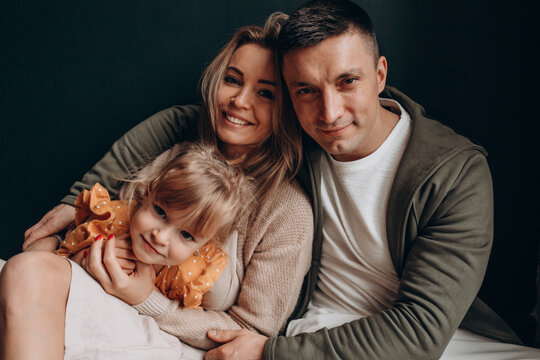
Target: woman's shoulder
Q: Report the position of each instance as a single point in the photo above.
(287, 199)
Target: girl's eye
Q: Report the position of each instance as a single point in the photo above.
(231, 80)
(187, 235)
(267, 94)
(160, 212)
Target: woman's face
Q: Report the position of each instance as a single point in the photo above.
(245, 100)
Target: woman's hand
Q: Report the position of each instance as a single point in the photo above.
(55, 221)
(124, 254)
(102, 263)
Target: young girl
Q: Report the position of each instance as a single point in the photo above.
(176, 211)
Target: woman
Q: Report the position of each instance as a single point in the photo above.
(241, 115)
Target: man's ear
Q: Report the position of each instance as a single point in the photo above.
(382, 71)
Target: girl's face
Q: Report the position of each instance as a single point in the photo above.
(160, 236)
(245, 100)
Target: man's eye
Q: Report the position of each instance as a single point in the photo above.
(187, 235)
(349, 81)
(160, 212)
(231, 80)
(267, 94)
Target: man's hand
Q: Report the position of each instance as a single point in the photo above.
(55, 221)
(240, 344)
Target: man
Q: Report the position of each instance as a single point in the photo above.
(403, 212)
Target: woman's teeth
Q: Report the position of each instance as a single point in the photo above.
(236, 120)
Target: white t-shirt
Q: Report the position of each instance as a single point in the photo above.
(357, 277)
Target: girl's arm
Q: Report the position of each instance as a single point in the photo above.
(277, 252)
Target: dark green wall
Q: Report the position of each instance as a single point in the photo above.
(75, 75)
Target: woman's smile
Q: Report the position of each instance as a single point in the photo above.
(235, 120)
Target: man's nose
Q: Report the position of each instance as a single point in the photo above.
(332, 107)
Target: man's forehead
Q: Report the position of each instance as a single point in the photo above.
(344, 53)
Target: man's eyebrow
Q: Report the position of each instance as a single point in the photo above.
(351, 72)
(262, 81)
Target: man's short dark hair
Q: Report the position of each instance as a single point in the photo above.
(318, 20)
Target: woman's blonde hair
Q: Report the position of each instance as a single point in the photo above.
(279, 157)
(200, 181)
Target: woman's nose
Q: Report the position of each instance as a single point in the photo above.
(241, 99)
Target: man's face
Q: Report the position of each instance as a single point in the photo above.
(334, 88)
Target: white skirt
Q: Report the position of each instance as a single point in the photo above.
(101, 326)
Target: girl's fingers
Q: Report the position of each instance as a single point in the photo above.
(124, 254)
(126, 264)
(124, 243)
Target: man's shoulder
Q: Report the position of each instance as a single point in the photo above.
(433, 136)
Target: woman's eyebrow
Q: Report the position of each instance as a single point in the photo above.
(268, 82)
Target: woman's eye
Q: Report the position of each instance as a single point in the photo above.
(304, 91)
(187, 235)
(267, 94)
(160, 212)
(231, 80)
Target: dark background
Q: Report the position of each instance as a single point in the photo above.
(75, 75)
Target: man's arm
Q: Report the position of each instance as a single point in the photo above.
(138, 147)
(453, 217)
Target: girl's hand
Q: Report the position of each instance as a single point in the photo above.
(55, 221)
(102, 263)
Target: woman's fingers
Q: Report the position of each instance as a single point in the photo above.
(117, 275)
(56, 220)
(94, 264)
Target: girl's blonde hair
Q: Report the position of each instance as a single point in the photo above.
(279, 157)
(200, 181)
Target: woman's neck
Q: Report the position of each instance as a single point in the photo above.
(235, 153)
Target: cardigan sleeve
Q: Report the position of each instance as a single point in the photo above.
(137, 147)
(452, 224)
(276, 256)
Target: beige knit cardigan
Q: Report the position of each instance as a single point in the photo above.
(273, 255)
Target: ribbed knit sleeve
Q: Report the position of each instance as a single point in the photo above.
(272, 260)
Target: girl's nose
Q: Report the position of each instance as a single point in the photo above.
(160, 236)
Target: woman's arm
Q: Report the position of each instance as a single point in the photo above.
(136, 148)
(277, 253)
